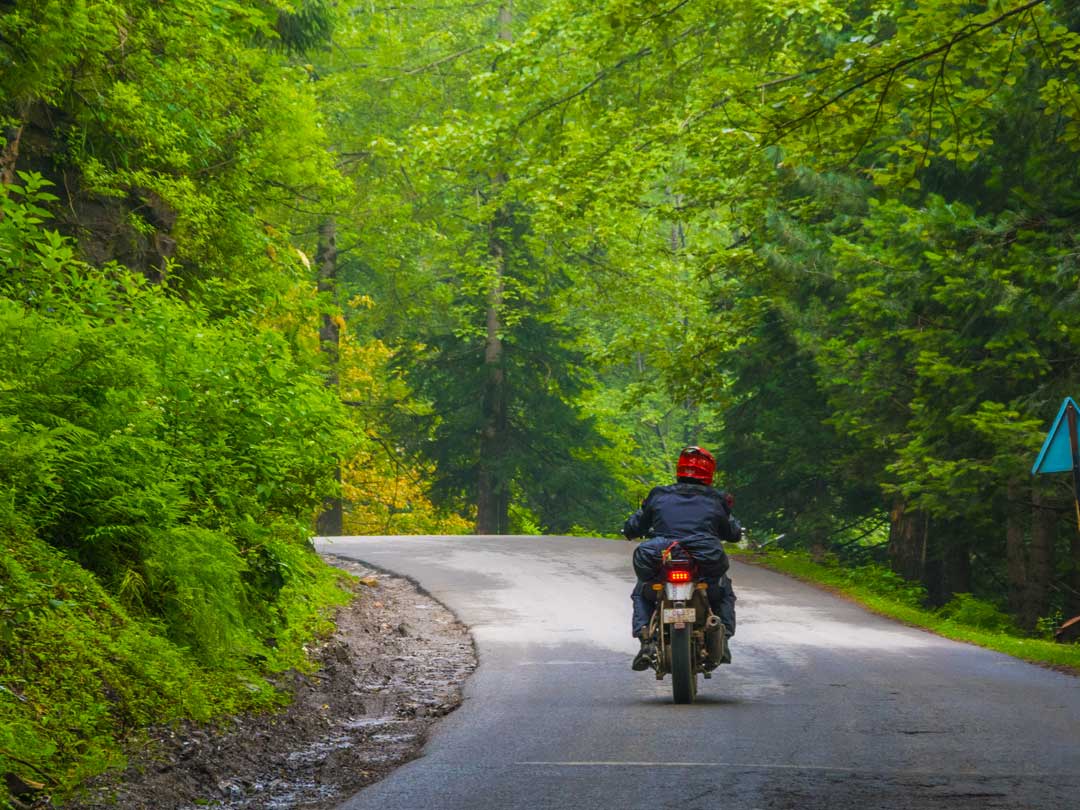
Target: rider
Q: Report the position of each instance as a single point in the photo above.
(696, 515)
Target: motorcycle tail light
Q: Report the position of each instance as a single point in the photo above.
(678, 575)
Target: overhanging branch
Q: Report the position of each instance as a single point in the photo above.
(890, 71)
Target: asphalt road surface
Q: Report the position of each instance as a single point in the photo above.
(825, 705)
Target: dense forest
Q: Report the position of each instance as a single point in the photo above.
(277, 267)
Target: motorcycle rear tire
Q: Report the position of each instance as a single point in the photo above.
(683, 677)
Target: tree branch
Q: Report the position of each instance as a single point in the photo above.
(964, 33)
(637, 56)
(436, 63)
(599, 77)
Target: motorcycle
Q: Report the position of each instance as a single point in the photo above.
(690, 638)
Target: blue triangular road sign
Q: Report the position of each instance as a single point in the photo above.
(1056, 453)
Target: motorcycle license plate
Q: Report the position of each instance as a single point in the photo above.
(674, 615)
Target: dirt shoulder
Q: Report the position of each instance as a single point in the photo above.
(396, 664)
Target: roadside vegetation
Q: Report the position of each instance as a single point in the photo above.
(271, 268)
(964, 617)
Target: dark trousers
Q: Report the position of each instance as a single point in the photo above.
(721, 598)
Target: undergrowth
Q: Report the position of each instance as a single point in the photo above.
(160, 468)
(81, 675)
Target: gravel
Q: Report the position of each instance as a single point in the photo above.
(396, 664)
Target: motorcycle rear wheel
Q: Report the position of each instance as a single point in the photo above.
(683, 677)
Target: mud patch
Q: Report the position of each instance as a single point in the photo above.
(394, 666)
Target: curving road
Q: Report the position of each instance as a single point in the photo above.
(825, 706)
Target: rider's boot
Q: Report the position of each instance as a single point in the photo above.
(718, 647)
(726, 657)
(644, 659)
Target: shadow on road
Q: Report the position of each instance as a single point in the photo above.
(701, 701)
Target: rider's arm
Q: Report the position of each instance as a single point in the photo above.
(632, 529)
(734, 530)
(728, 528)
(639, 523)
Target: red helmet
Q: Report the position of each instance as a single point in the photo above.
(697, 463)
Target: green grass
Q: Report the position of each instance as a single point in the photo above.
(880, 590)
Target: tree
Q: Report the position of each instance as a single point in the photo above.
(846, 188)
(463, 285)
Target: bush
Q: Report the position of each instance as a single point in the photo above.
(159, 473)
(888, 584)
(1047, 626)
(882, 582)
(967, 610)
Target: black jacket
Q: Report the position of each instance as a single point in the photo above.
(680, 511)
(695, 515)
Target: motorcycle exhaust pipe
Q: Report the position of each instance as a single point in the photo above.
(714, 639)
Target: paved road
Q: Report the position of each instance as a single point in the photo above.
(825, 706)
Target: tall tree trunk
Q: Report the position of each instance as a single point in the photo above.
(1015, 551)
(331, 521)
(1041, 578)
(947, 570)
(492, 494)
(9, 153)
(957, 569)
(908, 532)
(492, 484)
(1073, 598)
